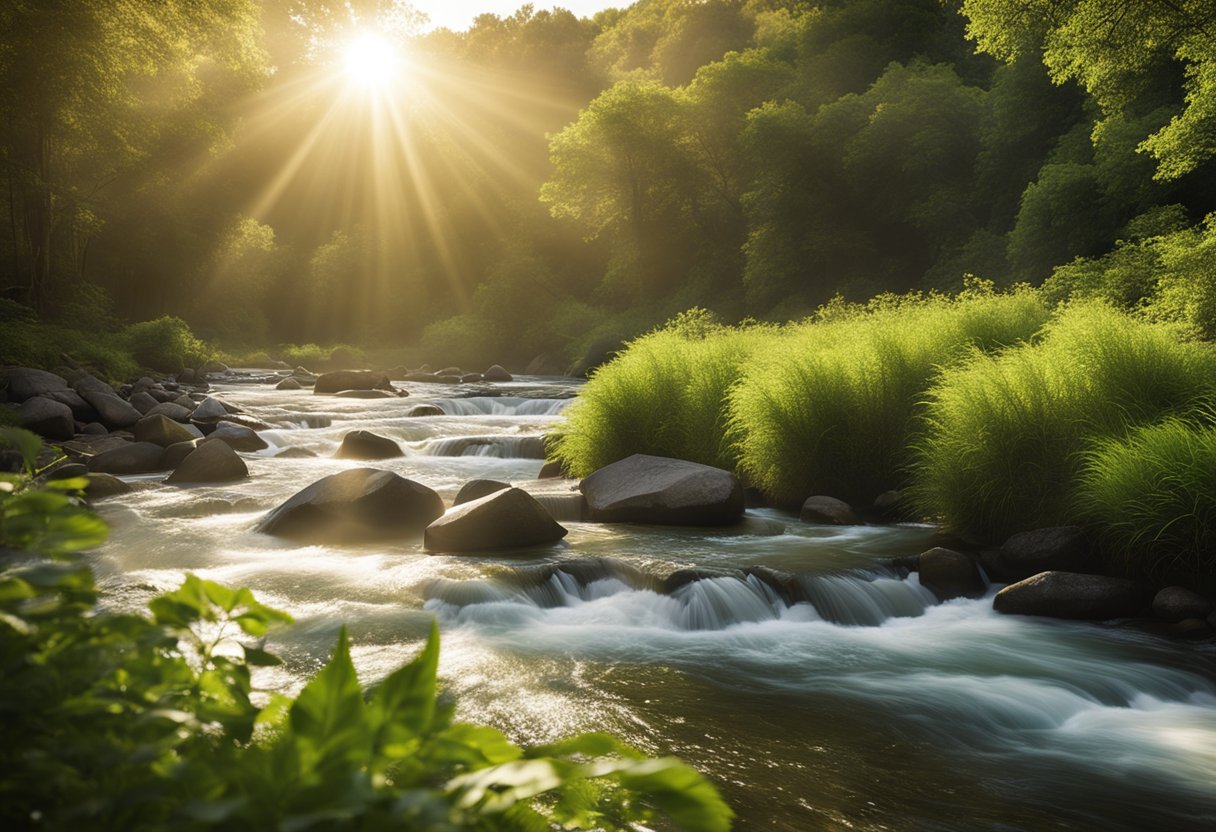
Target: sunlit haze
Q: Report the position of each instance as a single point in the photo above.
(459, 14)
(371, 61)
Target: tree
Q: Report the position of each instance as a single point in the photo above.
(1117, 49)
(89, 91)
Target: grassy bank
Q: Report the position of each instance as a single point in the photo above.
(995, 414)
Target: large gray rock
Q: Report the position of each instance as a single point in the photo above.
(363, 444)
(90, 384)
(26, 382)
(82, 411)
(828, 511)
(211, 461)
(239, 437)
(476, 489)
(112, 411)
(131, 458)
(161, 430)
(47, 418)
(1176, 603)
(143, 402)
(506, 519)
(1071, 595)
(288, 384)
(209, 408)
(340, 380)
(171, 410)
(655, 489)
(355, 505)
(175, 454)
(950, 574)
(497, 373)
(1055, 549)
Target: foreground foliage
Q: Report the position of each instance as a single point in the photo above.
(116, 721)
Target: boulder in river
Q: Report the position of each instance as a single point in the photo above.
(425, 410)
(102, 486)
(174, 454)
(209, 408)
(371, 394)
(211, 461)
(143, 402)
(239, 437)
(506, 519)
(828, 511)
(162, 431)
(26, 382)
(1071, 595)
(171, 410)
(660, 490)
(288, 384)
(1058, 549)
(360, 504)
(340, 380)
(497, 373)
(363, 444)
(950, 574)
(1176, 603)
(130, 458)
(476, 489)
(112, 411)
(47, 418)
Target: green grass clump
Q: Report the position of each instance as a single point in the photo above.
(833, 408)
(31, 344)
(1006, 434)
(1153, 498)
(664, 395)
(166, 344)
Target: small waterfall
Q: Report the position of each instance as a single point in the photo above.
(502, 406)
(564, 508)
(500, 447)
(865, 600)
(302, 421)
(707, 602)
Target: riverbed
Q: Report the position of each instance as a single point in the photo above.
(874, 708)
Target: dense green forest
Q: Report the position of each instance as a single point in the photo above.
(539, 183)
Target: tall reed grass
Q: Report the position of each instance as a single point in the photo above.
(1007, 434)
(835, 408)
(1152, 498)
(664, 395)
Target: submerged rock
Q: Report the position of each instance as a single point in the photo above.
(360, 504)
(1071, 595)
(654, 489)
(506, 519)
(425, 410)
(288, 384)
(363, 444)
(828, 511)
(370, 394)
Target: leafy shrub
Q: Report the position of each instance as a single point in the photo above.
(132, 722)
(165, 344)
(43, 345)
(1007, 434)
(832, 407)
(1152, 497)
(665, 395)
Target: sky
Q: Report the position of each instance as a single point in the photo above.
(458, 14)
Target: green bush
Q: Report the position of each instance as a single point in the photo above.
(1152, 498)
(165, 344)
(832, 407)
(1007, 434)
(44, 345)
(153, 722)
(665, 395)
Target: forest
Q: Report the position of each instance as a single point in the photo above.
(540, 183)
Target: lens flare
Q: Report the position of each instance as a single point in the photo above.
(371, 61)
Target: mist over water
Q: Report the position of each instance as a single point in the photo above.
(849, 700)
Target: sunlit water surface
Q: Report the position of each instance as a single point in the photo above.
(872, 708)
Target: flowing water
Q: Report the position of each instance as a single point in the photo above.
(819, 688)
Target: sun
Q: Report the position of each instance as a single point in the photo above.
(371, 61)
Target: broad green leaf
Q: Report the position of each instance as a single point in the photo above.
(406, 698)
(679, 791)
(589, 745)
(329, 711)
(69, 484)
(474, 746)
(498, 787)
(257, 657)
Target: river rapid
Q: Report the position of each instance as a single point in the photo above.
(873, 708)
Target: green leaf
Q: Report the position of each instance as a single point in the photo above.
(256, 657)
(406, 698)
(679, 791)
(329, 711)
(184, 606)
(590, 745)
(473, 746)
(26, 443)
(69, 484)
(496, 788)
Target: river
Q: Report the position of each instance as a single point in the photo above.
(875, 708)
